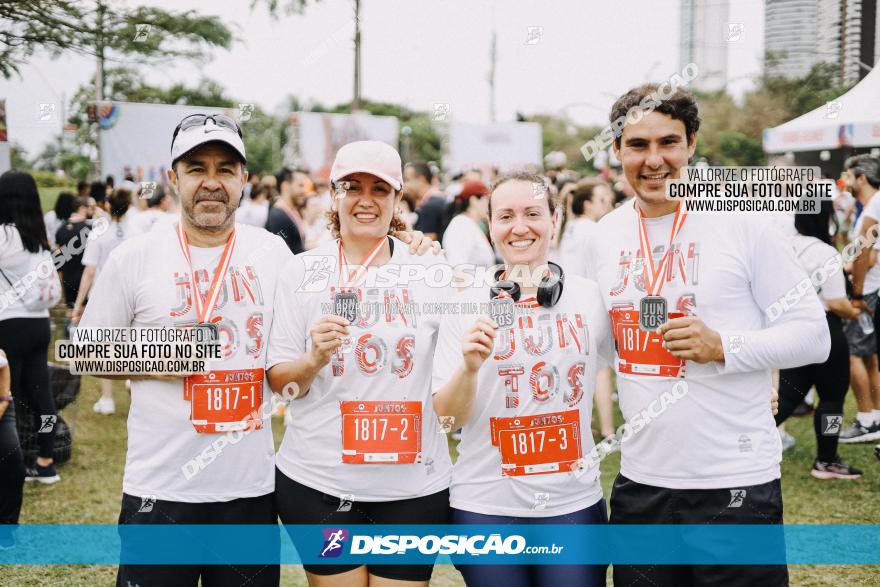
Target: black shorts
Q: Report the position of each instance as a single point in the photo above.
(299, 504)
(635, 503)
(246, 510)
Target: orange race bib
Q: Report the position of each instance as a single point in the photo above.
(224, 401)
(535, 445)
(641, 352)
(381, 432)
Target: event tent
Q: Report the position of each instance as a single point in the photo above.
(851, 121)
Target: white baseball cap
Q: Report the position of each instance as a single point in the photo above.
(197, 129)
(373, 157)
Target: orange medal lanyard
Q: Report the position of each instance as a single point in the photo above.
(349, 278)
(205, 305)
(653, 276)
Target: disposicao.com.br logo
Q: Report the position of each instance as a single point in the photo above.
(334, 539)
(432, 544)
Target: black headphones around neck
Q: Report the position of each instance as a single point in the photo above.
(549, 290)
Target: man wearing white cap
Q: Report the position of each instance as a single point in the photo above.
(206, 272)
(209, 273)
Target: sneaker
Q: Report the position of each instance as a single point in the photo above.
(836, 469)
(104, 405)
(788, 441)
(859, 433)
(47, 475)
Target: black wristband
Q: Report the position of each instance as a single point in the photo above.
(856, 296)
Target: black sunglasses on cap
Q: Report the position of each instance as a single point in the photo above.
(195, 120)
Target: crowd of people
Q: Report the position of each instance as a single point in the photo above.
(617, 279)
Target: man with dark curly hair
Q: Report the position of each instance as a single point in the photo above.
(687, 296)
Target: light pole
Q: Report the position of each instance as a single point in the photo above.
(356, 101)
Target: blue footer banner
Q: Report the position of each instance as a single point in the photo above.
(460, 544)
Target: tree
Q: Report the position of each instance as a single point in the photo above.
(74, 164)
(559, 133)
(288, 6)
(113, 32)
(264, 140)
(739, 149)
(18, 156)
(731, 133)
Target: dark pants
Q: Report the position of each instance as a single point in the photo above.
(831, 379)
(247, 510)
(11, 469)
(26, 343)
(636, 503)
(548, 575)
(300, 504)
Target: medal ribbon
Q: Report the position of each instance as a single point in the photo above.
(205, 305)
(348, 278)
(655, 284)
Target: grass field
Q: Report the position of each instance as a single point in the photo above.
(49, 195)
(91, 488)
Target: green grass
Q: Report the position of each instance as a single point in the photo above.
(49, 195)
(91, 489)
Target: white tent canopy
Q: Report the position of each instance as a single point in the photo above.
(853, 120)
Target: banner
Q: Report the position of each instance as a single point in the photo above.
(3, 134)
(5, 155)
(316, 136)
(136, 138)
(571, 544)
(507, 146)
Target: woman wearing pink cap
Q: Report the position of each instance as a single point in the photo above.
(352, 342)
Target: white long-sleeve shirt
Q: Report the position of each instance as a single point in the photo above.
(740, 277)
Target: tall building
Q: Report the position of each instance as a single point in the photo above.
(849, 37)
(800, 33)
(790, 36)
(703, 40)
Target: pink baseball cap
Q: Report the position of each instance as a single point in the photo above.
(373, 157)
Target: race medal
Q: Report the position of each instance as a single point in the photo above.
(501, 311)
(345, 305)
(652, 307)
(652, 313)
(207, 332)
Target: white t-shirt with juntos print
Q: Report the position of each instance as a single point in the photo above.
(539, 382)
(739, 276)
(146, 283)
(388, 361)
